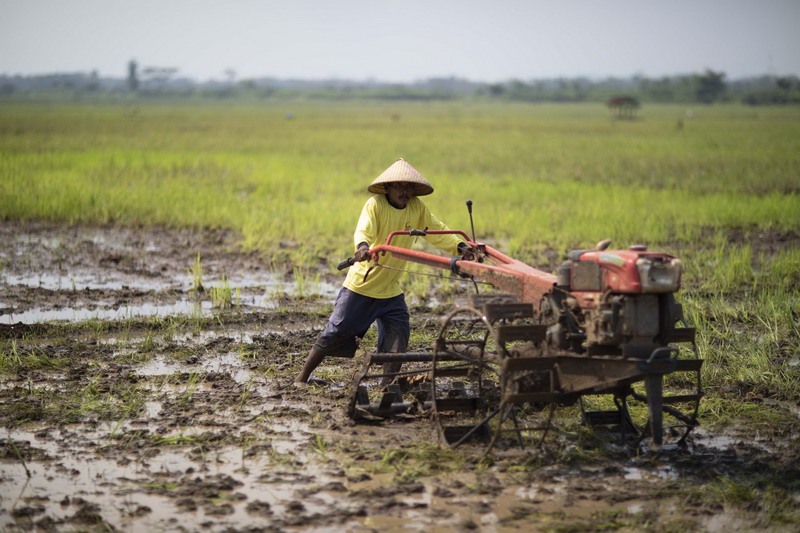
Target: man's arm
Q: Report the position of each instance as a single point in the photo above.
(450, 244)
(367, 227)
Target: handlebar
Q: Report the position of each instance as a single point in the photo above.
(424, 233)
(350, 261)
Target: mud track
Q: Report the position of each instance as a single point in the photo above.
(130, 403)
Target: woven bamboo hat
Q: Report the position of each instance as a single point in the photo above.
(401, 170)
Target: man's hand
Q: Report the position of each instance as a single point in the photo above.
(468, 253)
(362, 254)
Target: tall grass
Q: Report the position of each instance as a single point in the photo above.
(746, 312)
(540, 175)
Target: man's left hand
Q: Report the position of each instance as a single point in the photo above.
(362, 254)
(468, 253)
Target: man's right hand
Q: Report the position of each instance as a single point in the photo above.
(468, 253)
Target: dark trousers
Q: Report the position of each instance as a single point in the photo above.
(352, 316)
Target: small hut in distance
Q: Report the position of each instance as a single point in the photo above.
(624, 106)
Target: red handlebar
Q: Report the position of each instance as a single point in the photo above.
(427, 232)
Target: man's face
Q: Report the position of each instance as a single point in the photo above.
(400, 193)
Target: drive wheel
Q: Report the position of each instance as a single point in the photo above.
(464, 381)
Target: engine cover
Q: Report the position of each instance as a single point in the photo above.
(633, 271)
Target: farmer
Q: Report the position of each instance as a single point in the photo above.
(395, 206)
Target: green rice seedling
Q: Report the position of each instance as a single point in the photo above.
(782, 270)
(170, 327)
(400, 463)
(391, 458)
(434, 459)
(14, 358)
(97, 327)
(320, 445)
(179, 440)
(245, 395)
(10, 358)
(134, 405)
(196, 274)
(277, 458)
(731, 266)
(246, 353)
(197, 321)
(192, 384)
(19, 456)
(776, 504)
(743, 310)
(149, 344)
(269, 371)
(221, 297)
(306, 284)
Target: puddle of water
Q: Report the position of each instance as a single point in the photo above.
(121, 487)
(152, 409)
(725, 521)
(268, 287)
(633, 473)
(229, 363)
(131, 482)
(160, 367)
(290, 434)
(78, 281)
(35, 316)
(241, 336)
(182, 307)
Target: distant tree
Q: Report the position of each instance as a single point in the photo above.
(660, 90)
(777, 91)
(496, 89)
(159, 76)
(783, 84)
(94, 81)
(133, 79)
(710, 86)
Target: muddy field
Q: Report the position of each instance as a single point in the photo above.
(130, 402)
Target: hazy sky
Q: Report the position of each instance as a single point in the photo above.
(402, 40)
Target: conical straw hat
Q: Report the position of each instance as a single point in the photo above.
(401, 170)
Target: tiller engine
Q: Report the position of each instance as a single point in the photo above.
(606, 325)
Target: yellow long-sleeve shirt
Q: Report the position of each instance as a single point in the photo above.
(378, 219)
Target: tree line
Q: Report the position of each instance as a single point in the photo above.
(164, 82)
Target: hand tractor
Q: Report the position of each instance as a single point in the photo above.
(605, 331)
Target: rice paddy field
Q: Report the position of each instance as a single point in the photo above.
(133, 401)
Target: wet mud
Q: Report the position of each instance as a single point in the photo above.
(130, 401)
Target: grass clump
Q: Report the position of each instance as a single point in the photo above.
(15, 358)
(746, 316)
(222, 296)
(772, 499)
(196, 275)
